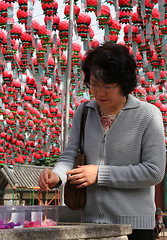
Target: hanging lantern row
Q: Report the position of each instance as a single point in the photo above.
(32, 105)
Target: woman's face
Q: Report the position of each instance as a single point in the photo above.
(106, 95)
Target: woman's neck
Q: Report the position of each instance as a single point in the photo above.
(113, 110)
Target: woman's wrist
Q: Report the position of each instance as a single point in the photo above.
(59, 183)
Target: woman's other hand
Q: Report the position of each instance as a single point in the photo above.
(83, 175)
(48, 179)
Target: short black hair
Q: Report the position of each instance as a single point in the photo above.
(111, 63)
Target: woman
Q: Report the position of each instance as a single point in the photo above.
(124, 146)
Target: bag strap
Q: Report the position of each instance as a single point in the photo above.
(82, 125)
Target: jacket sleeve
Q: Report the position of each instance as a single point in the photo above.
(67, 158)
(151, 169)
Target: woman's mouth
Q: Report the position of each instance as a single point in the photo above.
(102, 100)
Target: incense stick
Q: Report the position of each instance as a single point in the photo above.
(46, 201)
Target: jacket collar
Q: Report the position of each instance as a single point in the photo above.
(132, 102)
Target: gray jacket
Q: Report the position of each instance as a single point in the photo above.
(131, 159)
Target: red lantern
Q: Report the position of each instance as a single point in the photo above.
(44, 34)
(124, 16)
(125, 5)
(3, 21)
(91, 33)
(67, 11)
(151, 99)
(56, 21)
(51, 66)
(114, 26)
(75, 55)
(91, 5)
(151, 89)
(113, 38)
(22, 16)
(63, 63)
(16, 31)
(104, 16)
(163, 97)
(2, 36)
(157, 42)
(26, 39)
(55, 50)
(163, 27)
(94, 43)
(142, 45)
(165, 9)
(162, 77)
(150, 77)
(155, 61)
(10, 1)
(31, 83)
(9, 52)
(7, 77)
(4, 8)
(148, 8)
(155, 17)
(134, 30)
(46, 1)
(140, 93)
(83, 23)
(63, 30)
(35, 25)
(40, 53)
(3, 14)
(50, 8)
(76, 47)
(139, 60)
(136, 19)
(23, 4)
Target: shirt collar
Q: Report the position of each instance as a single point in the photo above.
(132, 102)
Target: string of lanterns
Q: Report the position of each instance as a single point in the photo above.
(33, 65)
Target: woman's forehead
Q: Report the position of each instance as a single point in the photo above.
(93, 78)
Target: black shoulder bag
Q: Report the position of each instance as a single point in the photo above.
(75, 198)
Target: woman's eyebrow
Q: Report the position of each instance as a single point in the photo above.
(93, 80)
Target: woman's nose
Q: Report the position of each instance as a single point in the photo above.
(100, 91)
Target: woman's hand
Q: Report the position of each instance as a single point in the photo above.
(48, 179)
(83, 175)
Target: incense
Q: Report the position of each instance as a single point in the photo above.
(46, 201)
